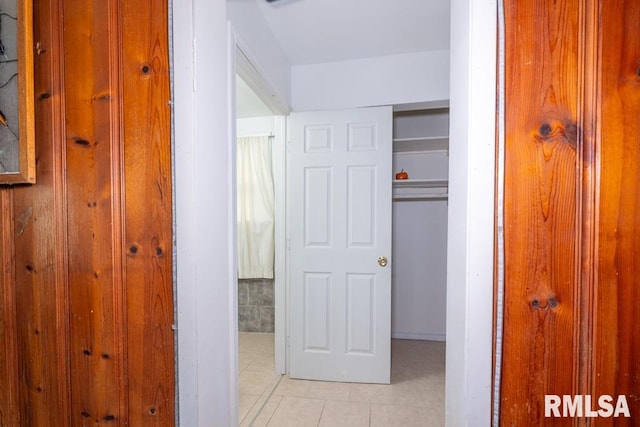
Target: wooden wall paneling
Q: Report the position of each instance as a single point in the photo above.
(38, 244)
(586, 195)
(97, 357)
(50, 164)
(9, 386)
(617, 311)
(541, 302)
(86, 304)
(148, 212)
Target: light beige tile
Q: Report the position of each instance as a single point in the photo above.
(256, 383)
(242, 365)
(395, 416)
(407, 374)
(344, 414)
(328, 390)
(415, 397)
(372, 393)
(247, 401)
(256, 343)
(410, 394)
(246, 357)
(263, 365)
(292, 387)
(297, 412)
(261, 412)
(433, 416)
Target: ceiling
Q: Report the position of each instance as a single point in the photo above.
(315, 31)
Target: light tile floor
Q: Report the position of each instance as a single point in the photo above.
(415, 396)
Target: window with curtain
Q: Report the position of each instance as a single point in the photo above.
(256, 218)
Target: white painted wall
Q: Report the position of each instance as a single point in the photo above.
(471, 198)
(419, 275)
(204, 215)
(387, 80)
(254, 37)
(252, 126)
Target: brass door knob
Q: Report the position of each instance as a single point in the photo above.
(382, 261)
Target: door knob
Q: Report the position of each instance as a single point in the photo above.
(382, 261)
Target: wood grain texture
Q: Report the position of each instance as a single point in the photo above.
(37, 240)
(148, 201)
(617, 315)
(541, 301)
(87, 329)
(572, 209)
(9, 386)
(98, 385)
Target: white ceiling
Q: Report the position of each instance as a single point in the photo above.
(315, 31)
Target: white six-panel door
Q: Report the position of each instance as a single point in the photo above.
(339, 215)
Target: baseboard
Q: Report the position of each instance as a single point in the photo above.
(412, 336)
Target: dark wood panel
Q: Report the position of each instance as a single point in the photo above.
(617, 315)
(95, 281)
(148, 201)
(49, 116)
(9, 386)
(597, 69)
(541, 303)
(38, 238)
(85, 320)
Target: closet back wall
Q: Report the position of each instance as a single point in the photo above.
(419, 278)
(86, 303)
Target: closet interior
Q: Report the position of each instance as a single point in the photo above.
(420, 148)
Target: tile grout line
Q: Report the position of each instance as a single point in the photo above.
(273, 389)
(324, 403)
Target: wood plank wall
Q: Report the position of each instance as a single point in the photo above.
(572, 207)
(86, 304)
(616, 335)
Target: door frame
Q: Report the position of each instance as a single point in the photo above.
(472, 171)
(245, 64)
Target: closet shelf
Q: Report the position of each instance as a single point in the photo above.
(420, 189)
(420, 183)
(429, 143)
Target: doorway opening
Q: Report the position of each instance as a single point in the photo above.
(260, 136)
(438, 201)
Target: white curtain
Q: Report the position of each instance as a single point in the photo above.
(256, 219)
